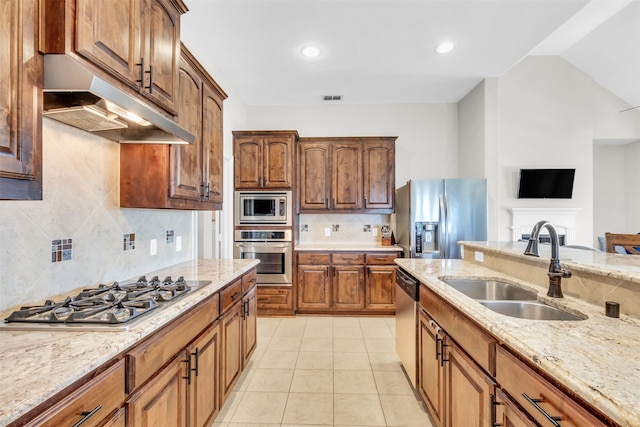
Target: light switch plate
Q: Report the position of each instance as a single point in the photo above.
(327, 231)
(153, 247)
(178, 243)
(374, 231)
(479, 256)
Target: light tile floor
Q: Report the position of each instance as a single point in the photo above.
(324, 371)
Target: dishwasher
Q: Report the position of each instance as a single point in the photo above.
(407, 297)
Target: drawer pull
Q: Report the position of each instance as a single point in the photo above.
(235, 295)
(86, 415)
(197, 355)
(534, 402)
(442, 346)
(188, 362)
(263, 299)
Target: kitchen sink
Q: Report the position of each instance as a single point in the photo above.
(531, 310)
(489, 289)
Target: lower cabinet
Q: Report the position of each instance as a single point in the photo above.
(231, 349)
(249, 325)
(346, 282)
(204, 390)
(508, 414)
(275, 301)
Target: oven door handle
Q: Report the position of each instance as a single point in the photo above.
(263, 245)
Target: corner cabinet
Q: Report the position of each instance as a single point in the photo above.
(21, 103)
(264, 159)
(180, 176)
(347, 175)
(136, 42)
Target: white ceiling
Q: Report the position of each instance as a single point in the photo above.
(382, 51)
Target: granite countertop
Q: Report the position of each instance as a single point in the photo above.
(345, 246)
(618, 266)
(35, 365)
(596, 358)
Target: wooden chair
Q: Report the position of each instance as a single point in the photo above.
(630, 242)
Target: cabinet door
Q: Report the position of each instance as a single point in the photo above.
(108, 35)
(314, 287)
(247, 169)
(163, 400)
(346, 176)
(249, 324)
(315, 185)
(204, 399)
(431, 380)
(186, 160)
(379, 175)
(161, 51)
(212, 144)
(231, 349)
(348, 287)
(117, 420)
(507, 414)
(278, 162)
(468, 390)
(20, 103)
(381, 287)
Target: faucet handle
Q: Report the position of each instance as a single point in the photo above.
(559, 273)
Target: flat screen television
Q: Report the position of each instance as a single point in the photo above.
(546, 183)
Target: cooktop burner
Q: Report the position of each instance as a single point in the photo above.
(113, 304)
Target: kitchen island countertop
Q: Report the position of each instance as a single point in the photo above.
(596, 358)
(36, 365)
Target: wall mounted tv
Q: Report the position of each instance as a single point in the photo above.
(546, 183)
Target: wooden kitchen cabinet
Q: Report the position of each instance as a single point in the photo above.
(264, 159)
(96, 402)
(136, 42)
(275, 301)
(249, 324)
(204, 390)
(346, 281)
(508, 414)
(231, 349)
(431, 382)
(346, 174)
(180, 176)
(21, 103)
(519, 381)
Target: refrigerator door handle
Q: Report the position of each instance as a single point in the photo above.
(442, 231)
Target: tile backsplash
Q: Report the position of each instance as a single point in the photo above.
(80, 219)
(347, 228)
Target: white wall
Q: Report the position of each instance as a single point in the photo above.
(426, 147)
(609, 189)
(545, 121)
(632, 179)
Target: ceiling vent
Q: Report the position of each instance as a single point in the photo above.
(332, 98)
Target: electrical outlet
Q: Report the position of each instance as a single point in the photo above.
(178, 243)
(153, 247)
(479, 256)
(374, 231)
(327, 232)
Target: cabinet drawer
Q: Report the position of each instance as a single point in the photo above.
(249, 280)
(381, 258)
(275, 297)
(147, 358)
(313, 258)
(478, 344)
(106, 389)
(518, 380)
(230, 295)
(347, 258)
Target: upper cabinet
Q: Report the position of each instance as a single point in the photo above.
(135, 41)
(347, 174)
(264, 159)
(180, 176)
(21, 103)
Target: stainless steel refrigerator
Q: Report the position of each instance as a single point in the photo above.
(433, 215)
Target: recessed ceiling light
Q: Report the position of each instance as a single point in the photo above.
(311, 51)
(445, 47)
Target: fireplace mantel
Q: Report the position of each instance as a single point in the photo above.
(563, 219)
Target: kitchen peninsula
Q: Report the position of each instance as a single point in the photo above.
(592, 362)
(40, 365)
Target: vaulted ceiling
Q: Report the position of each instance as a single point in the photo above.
(383, 51)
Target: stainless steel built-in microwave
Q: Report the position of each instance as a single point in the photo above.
(262, 207)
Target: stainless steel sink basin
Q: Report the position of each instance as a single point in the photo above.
(488, 289)
(531, 310)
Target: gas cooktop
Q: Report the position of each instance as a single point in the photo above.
(105, 307)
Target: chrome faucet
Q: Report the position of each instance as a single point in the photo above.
(556, 273)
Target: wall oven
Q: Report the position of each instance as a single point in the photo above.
(274, 250)
(263, 207)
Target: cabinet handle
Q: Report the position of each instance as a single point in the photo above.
(327, 203)
(188, 362)
(534, 402)
(442, 346)
(235, 295)
(141, 79)
(437, 344)
(244, 310)
(197, 355)
(493, 411)
(86, 415)
(263, 299)
(150, 87)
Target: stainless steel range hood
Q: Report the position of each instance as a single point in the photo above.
(74, 95)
